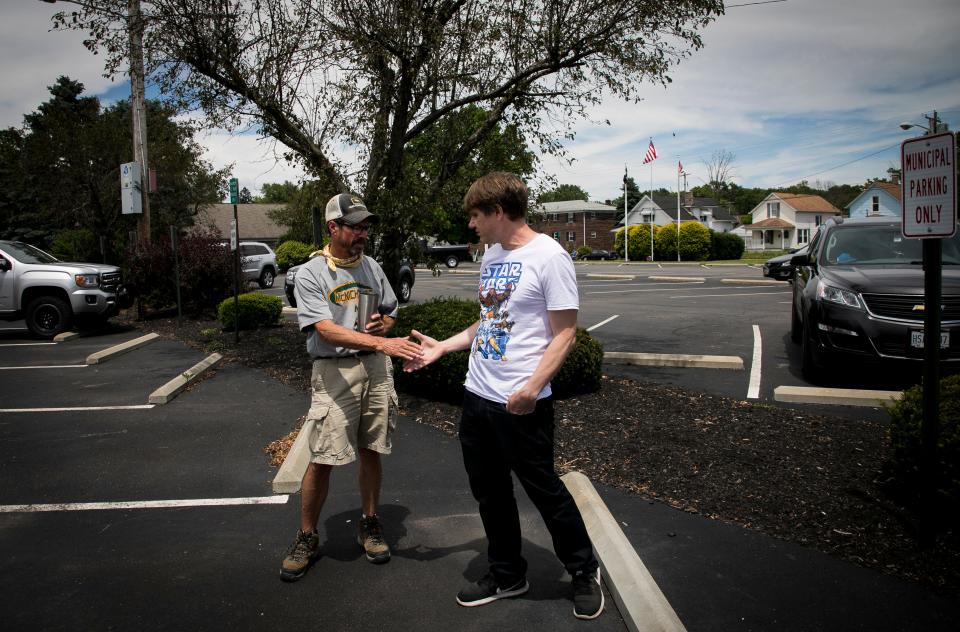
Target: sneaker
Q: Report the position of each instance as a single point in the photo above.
(587, 595)
(486, 590)
(370, 537)
(303, 553)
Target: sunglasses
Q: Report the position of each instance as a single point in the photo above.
(361, 228)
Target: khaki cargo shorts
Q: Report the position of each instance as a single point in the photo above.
(353, 405)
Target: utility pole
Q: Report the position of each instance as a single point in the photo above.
(138, 113)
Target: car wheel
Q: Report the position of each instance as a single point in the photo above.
(404, 290)
(810, 365)
(48, 316)
(452, 261)
(266, 278)
(796, 327)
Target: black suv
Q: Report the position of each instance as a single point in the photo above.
(858, 294)
(404, 289)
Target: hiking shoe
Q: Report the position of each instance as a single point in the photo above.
(303, 552)
(587, 595)
(486, 590)
(371, 539)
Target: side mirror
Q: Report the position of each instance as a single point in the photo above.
(800, 260)
(4, 265)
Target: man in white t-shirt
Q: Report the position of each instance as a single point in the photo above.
(528, 321)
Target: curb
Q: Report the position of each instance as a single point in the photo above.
(168, 391)
(835, 396)
(678, 278)
(65, 336)
(130, 345)
(642, 604)
(755, 282)
(289, 310)
(606, 275)
(733, 363)
(290, 474)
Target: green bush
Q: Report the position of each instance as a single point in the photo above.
(443, 380)
(76, 245)
(293, 253)
(726, 246)
(256, 310)
(639, 242)
(694, 242)
(583, 250)
(907, 445)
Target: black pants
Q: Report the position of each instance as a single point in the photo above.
(496, 442)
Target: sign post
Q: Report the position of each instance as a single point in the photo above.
(235, 247)
(929, 182)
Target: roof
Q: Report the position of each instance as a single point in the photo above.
(770, 222)
(807, 202)
(252, 220)
(572, 206)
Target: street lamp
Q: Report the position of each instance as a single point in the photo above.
(932, 127)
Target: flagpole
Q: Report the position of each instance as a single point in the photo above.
(626, 219)
(652, 210)
(679, 169)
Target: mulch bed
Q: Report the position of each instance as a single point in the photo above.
(811, 479)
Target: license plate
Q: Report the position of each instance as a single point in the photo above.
(916, 339)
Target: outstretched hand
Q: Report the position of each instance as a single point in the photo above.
(403, 348)
(430, 351)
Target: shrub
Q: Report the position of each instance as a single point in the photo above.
(583, 250)
(639, 242)
(725, 246)
(293, 253)
(256, 310)
(76, 245)
(443, 380)
(906, 417)
(694, 242)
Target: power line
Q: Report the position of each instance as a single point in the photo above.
(747, 4)
(849, 162)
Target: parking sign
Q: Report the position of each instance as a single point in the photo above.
(929, 186)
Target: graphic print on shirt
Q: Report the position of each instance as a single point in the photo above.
(497, 283)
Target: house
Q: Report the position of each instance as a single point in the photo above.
(661, 210)
(576, 223)
(786, 220)
(253, 223)
(878, 199)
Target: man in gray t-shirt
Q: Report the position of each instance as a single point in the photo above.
(353, 406)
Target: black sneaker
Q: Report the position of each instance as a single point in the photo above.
(370, 537)
(486, 590)
(303, 552)
(587, 595)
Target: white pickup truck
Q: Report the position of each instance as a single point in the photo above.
(50, 294)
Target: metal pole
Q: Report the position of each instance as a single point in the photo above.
(626, 220)
(652, 210)
(678, 212)
(236, 282)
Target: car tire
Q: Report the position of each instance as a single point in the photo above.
(48, 316)
(810, 365)
(404, 290)
(452, 261)
(267, 277)
(796, 327)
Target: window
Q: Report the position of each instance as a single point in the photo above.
(571, 236)
(803, 235)
(817, 220)
(593, 234)
(556, 235)
(569, 218)
(875, 205)
(553, 217)
(773, 209)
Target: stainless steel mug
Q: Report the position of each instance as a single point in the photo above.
(368, 304)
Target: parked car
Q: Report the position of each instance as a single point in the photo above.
(450, 254)
(404, 288)
(258, 263)
(858, 295)
(781, 267)
(50, 294)
(602, 255)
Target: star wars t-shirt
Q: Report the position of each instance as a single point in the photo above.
(517, 288)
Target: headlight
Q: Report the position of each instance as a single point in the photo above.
(87, 280)
(836, 295)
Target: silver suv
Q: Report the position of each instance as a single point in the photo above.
(258, 263)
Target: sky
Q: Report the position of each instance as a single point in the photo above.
(796, 90)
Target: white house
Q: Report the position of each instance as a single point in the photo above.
(878, 199)
(662, 210)
(787, 220)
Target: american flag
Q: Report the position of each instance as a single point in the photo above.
(651, 153)
(679, 167)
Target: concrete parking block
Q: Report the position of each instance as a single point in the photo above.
(772, 282)
(114, 351)
(678, 278)
(642, 604)
(289, 310)
(618, 277)
(170, 390)
(65, 336)
(835, 396)
(290, 475)
(734, 363)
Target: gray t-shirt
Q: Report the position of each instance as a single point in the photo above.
(325, 295)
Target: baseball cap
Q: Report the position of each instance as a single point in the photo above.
(349, 209)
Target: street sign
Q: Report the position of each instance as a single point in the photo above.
(929, 186)
(234, 191)
(233, 235)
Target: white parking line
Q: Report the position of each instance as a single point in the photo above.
(27, 344)
(754, 391)
(54, 366)
(655, 289)
(76, 409)
(725, 295)
(603, 322)
(279, 499)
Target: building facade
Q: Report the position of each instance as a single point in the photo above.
(576, 223)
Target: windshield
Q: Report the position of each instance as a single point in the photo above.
(881, 245)
(25, 253)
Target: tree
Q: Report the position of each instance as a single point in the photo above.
(245, 197)
(719, 172)
(633, 196)
(60, 171)
(274, 193)
(368, 78)
(563, 193)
